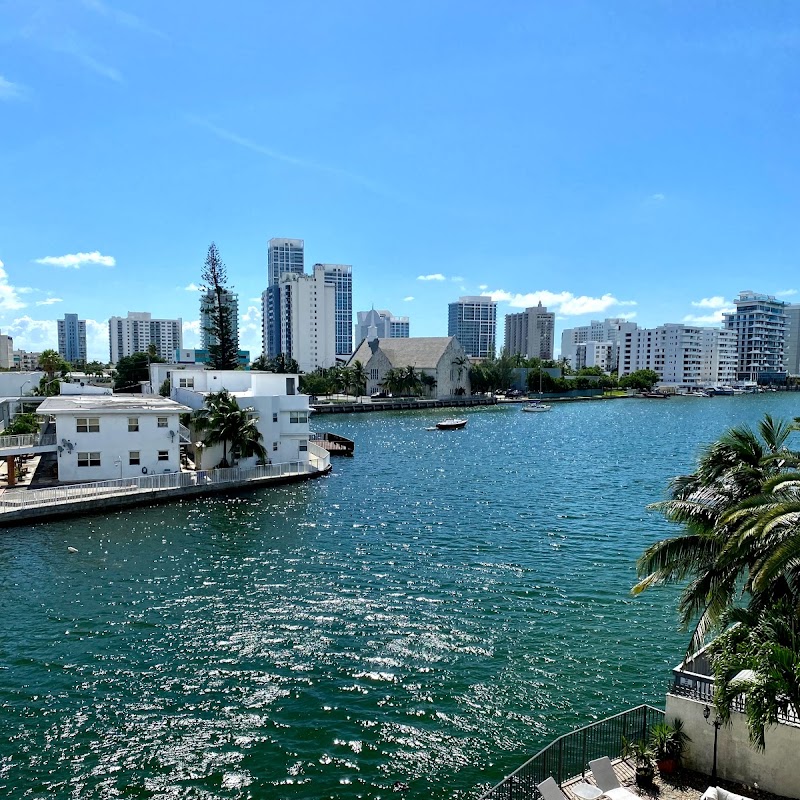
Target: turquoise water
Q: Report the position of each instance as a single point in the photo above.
(432, 613)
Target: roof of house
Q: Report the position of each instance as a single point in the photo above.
(424, 352)
(111, 403)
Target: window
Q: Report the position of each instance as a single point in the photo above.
(290, 386)
(162, 422)
(373, 374)
(133, 458)
(186, 383)
(163, 455)
(133, 424)
(274, 446)
(88, 459)
(298, 416)
(88, 424)
(302, 446)
(274, 416)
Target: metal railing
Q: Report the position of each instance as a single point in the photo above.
(32, 498)
(27, 440)
(569, 755)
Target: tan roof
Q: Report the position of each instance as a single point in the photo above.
(120, 403)
(424, 352)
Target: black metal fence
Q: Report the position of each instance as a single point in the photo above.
(569, 755)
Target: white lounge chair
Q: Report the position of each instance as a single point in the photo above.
(550, 790)
(606, 779)
(716, 793)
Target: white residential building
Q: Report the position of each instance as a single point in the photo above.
(103, 437)
(136, 332)
(208, 303)
(380, 324)
(308, 319)
(25, 361)
(473, 321)
(684, 356)
(792, 350)
(760, 321)
(340, 276)
(608, 330)
(530, 333)
(282, 413)
(6, 351)
(594, 354)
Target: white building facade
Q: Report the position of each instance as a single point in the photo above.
(791, 354)
(6, 351)
(308, 319)
(105, 437)
(684, 356)
(760, 322)
(530, 333)
(610, 330)
(340, 276)
(136, 332)
(281, 413)
(283, 256)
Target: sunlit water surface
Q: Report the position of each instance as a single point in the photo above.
(432, 613)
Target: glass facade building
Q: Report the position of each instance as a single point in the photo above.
(473, 321)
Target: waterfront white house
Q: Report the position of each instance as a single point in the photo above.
(281, 412)
(103, 437)
(441, 357)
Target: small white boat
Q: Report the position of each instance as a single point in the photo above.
(452, 424)
(535, 405)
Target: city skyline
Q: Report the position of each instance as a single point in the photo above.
(643, 165)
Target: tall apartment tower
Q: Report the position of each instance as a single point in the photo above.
(340, 276)
(760, 321)
(308, 319)
(72, 339)
(473, 321)
(791, 356)
(283, 256)
(208, 302)
(136, 332)
(530, 333)
(381, 324)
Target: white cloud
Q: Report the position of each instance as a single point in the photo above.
(483, 287)
(192, 287)
(35, 335)
(435, 277)
(76, 260)
(49, 301)
(191, 334)
(457, 279)
(9, 297)
(711, 302)
(408, 299)
(707, 319)
(564, 303)
(9, 90)
(786, 293)
(252, 317)
(628, 315)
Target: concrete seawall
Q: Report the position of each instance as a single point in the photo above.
(401, 405)
(113, 502)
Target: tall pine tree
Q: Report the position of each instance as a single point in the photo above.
(223, 348)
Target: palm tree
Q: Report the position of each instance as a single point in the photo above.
(359, 378)
(393, 381)
(344, 379)
(429, 382)
(715, 552)
(223, 421)
(50, 361)
(412, 383)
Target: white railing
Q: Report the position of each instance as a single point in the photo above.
(318, 457)
(27, 440)
(20, 499)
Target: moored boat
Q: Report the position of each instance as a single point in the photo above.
(451, 424)
(536, 405)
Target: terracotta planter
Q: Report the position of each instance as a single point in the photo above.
(666, 766)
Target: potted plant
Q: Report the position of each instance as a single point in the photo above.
(644, 764)
(668, 743)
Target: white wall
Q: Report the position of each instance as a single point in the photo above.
(14, 383)
(114, 443)
(774, 770)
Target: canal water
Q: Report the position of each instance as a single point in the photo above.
(431, 613)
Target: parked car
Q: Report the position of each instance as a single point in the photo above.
(379, 395)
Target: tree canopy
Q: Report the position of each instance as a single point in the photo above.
(223, 421)
(132, 370)
(642, 379)
(223, 348)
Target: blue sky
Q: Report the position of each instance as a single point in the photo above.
(609, 158)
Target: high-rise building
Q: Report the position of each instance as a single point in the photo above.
(136, 332)
(6, 351)
(340, 276)
(380, 324)
(611, 331)
(683, 355)
(208, 303)
(283, 256)
(308, 319)
(530, 333)
(72, 339)
(473, 321)
(760, 321)
(791, 356)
